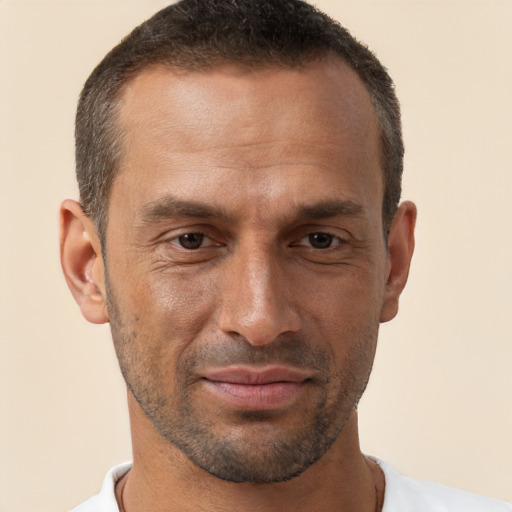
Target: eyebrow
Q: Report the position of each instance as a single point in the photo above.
(170, 206)
(328, 209)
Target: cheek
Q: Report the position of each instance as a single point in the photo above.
(342, 314)
(169, 309)
(154, 323)
(350, 296)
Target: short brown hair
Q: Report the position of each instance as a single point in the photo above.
(201, 34)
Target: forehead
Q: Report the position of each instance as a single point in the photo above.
(241, 127)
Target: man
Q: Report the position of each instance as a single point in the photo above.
(239, 227)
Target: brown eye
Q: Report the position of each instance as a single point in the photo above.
(191, 240)
(320, 240)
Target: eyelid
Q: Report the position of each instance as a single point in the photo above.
(207, 241)
(172, 231)
(337, 240)
(341, 238)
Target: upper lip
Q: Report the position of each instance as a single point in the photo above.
(251, 375)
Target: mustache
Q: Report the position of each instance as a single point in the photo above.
(286, 350)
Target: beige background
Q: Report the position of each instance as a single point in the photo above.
(439, 402)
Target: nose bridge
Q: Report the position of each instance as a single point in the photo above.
(255, 298)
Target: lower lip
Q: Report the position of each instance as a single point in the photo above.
(257, 397)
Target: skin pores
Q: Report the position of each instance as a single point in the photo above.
(246, 264)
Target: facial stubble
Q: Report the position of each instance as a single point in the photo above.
(257, 448)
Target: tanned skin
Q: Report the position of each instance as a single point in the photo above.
(245, 224)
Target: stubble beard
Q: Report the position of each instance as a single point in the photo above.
(256, 452)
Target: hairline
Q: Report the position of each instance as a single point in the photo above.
(116, 133)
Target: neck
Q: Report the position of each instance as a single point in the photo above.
(163, 479)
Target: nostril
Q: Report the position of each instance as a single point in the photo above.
(259, 327)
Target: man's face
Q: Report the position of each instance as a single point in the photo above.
(246, 261)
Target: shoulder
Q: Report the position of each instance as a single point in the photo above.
(405, 494)
(105, 500)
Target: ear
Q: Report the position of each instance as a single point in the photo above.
(400, 250)
(82, 261)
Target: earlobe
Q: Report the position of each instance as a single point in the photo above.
(82, 262)
(400, 251)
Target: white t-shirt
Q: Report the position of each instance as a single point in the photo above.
(402, 494)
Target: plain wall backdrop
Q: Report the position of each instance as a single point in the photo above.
(438, 404)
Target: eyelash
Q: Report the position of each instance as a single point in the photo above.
(331, 238)
(203, 236)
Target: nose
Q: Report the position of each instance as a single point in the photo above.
(256, 299)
